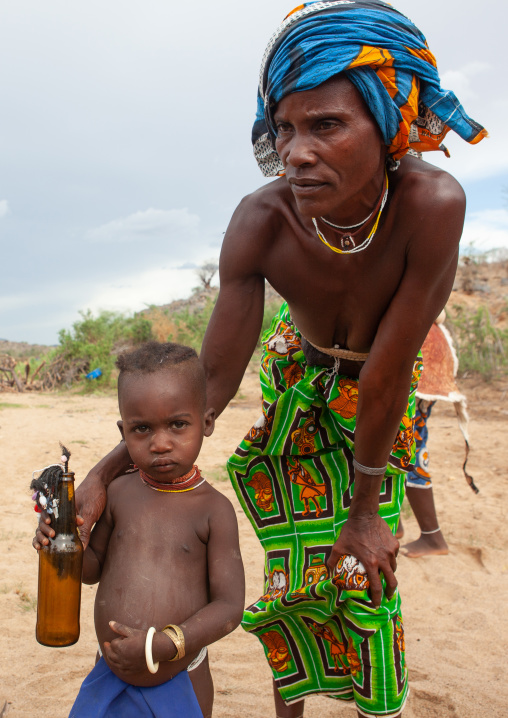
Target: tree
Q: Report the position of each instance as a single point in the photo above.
(206, 272)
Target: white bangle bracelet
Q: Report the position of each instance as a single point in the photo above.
(152, 667)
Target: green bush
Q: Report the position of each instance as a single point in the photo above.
(481, 347)
(191, 325)
(94, 342)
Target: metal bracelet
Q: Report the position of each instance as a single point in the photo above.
(175, 633)
(370, 471)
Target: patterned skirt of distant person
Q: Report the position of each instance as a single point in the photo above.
(419, 477)
(293, 474)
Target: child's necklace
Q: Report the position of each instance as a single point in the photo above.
(187, 482)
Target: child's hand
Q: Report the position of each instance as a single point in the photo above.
(44, 531)
(127, 653)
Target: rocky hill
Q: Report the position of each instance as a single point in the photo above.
(477, 316)
(22, 350)
(480, 283)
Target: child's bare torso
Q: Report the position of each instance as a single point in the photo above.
(155, 571)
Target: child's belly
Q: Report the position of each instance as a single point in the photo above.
(154, 587)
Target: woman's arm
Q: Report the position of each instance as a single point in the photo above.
(91, 493)
(385, 380)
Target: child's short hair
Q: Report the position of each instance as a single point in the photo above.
(154, 356)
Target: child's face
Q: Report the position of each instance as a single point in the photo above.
(163, 422)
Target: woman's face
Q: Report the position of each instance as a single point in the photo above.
(332, 150)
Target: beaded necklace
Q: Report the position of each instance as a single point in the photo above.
(187, 482)
(358, 224)
(347, 241)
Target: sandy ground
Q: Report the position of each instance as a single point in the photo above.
(454, 606)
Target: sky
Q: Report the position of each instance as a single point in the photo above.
(125, 143)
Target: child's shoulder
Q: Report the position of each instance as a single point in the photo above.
(217, 524)
(217, 503)
(214, 495)
(126, 482)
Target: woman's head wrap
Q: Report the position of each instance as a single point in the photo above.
(386, 58)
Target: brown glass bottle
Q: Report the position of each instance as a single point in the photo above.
(60, 564)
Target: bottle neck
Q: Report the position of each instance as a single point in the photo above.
(65, 522)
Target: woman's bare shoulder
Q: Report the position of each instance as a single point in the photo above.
(254, 229)
(261, 207)
(421, 184)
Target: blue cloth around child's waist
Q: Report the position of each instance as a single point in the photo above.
(104, 695)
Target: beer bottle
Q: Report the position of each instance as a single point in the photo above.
(60, 564)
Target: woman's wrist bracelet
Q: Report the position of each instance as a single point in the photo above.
(369, 470)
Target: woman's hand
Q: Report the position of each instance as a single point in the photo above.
(368, 538)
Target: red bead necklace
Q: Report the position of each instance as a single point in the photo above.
(187, 482)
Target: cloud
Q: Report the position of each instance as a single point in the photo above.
(39, 316)
(485, 230)
(4, 207)
(460, 80)
(144, 226)
(134, 292)
(188, 265)
(11, 302)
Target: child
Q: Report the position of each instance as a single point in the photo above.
(165, 550)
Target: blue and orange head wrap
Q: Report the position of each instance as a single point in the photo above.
(386, 58)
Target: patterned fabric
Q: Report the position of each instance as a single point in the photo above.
(382, 53)
(294, 476)
(104, 695)
(419, 477)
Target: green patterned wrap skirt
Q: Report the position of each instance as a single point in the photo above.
(293, 474)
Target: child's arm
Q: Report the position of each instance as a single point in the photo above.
(95, 553)
(215, 620)
(226, 580)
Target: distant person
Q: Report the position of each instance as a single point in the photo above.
(361, 240)
(437, 383)
(165, 551)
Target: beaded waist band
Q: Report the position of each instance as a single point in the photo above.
(339, 353)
